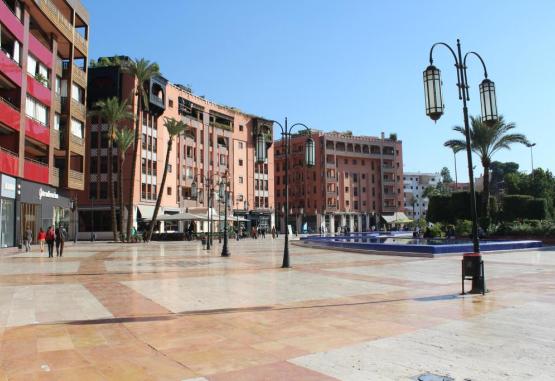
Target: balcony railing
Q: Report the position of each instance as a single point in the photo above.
(8, 162)
(54, 14)
(55, 177)
(79, 76)
(76, 175)
(78, 109)
(80, 42)
(76, 140)
(36, 171)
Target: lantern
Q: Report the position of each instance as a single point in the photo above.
(194, 190)
(488, 102)
(310, 152)
(260, 148)
(222, 190)
(432, 92)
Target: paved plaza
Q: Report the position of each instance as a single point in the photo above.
(173, 311)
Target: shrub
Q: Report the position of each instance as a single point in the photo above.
(463, 228)
(525, 228)
(524, 206)
(435, 231)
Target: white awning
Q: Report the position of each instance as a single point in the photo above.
(181, 217)
(396, 218)
(146, 211)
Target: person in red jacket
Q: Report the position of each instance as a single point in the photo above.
(41, 238)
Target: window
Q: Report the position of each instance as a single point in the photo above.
(36, 110)
(77, 93)
(104, 164)
(103, 190)
(240, 162)
(240, 127)
(115, 164)
(93, 164)
(57, 122)
(346, 189)
(92, 190)
(169, 191)
(143, 166)
(58, 86)
(77, 129)
(170, 105)
(346, 175)
(94, 139)
(240, 145)
(241, 180)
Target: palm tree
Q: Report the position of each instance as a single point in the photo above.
(124, 140)
(112, 112)
(485, 141)
(143, 70)
(174, 128)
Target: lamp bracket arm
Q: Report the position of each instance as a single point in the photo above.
(481, 60)
(299, 124)
(448, 47)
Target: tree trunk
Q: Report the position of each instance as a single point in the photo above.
(485, 193)
(111, 188)
(136, 148)
(120, 181)
(161, 191)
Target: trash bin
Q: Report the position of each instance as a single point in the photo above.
(473, 269)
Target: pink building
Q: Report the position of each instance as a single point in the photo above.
(220, 143)
(356, 180)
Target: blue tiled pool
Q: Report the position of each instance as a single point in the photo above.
(398, 242)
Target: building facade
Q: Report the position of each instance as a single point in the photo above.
(43, 82)
(219, 143)
(355, 182)
(414, 185)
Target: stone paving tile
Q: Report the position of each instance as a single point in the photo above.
(173, 311)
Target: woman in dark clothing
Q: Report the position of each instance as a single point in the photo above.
(50, 238)
(60, 239)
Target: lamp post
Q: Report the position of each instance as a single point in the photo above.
(194, 194)
(435, 108)
(531, 146)
(224, 192)
(310, 153)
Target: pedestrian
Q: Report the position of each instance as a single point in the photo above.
(27, 238)
(273, 232)
(263, 231)
(41, 238)
(61, 236)
(50, 238)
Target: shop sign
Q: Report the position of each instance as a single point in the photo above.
(47, 194)
(8, 187)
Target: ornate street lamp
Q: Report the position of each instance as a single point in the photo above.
(434, 109)
(286, 134)
(224, 193)
(261, 150)
(432, 93)
(194, 190)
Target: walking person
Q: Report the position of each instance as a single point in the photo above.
(61, 235)
(273, 232)
(28, 238)
(50, 238)
(41, 238)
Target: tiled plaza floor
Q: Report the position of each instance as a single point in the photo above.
(174, 311)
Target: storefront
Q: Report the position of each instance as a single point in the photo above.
(261, 218)
(7, 211)
(40, 206)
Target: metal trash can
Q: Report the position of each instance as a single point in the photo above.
(473, 269)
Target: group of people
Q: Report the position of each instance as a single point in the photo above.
(52, 236)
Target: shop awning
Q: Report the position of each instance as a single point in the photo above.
(396, 218)
(179, 217)
(146, 211)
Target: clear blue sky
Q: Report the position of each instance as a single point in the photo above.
(348, 65)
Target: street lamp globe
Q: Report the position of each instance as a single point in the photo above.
(310, 152)
(488, 102)
(432, 92)
(194, 190)
(261, 151)
(221, 190)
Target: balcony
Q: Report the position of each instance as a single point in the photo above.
(10, 68)
(39, 91)
(9, 114)
(331, 208)
(56, 17)
(76, 180)
(9, 162)
(56, 139)
(78, 110)
(55, 177)
(37, 131)
(59, 67)
(388, 182)
(81, 43)
(35, 171)
(388, 168)
(79, 76)
(10, 20)
(57, 104)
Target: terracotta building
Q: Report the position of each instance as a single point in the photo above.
(219, 143)
(43, 82)
(357, 182)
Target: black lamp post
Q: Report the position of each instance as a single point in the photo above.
(224, 193)
(194, 194)
(310, 153)
(435, 109)
(531, 146)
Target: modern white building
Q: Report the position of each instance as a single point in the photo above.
(414, 185)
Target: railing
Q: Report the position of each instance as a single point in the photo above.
(76, 140)
(79, 108)
(7, 102)
(55, 177)
(80, 42)
(222, 126)
(9, 56)
(79, 75)
(9, 162)
(56, 17)
(59, 66)
(76, 176)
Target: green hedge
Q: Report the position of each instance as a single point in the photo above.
(449, 209)
(524, 207)
(525, 228)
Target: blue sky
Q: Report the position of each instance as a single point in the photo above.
(349, 65)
